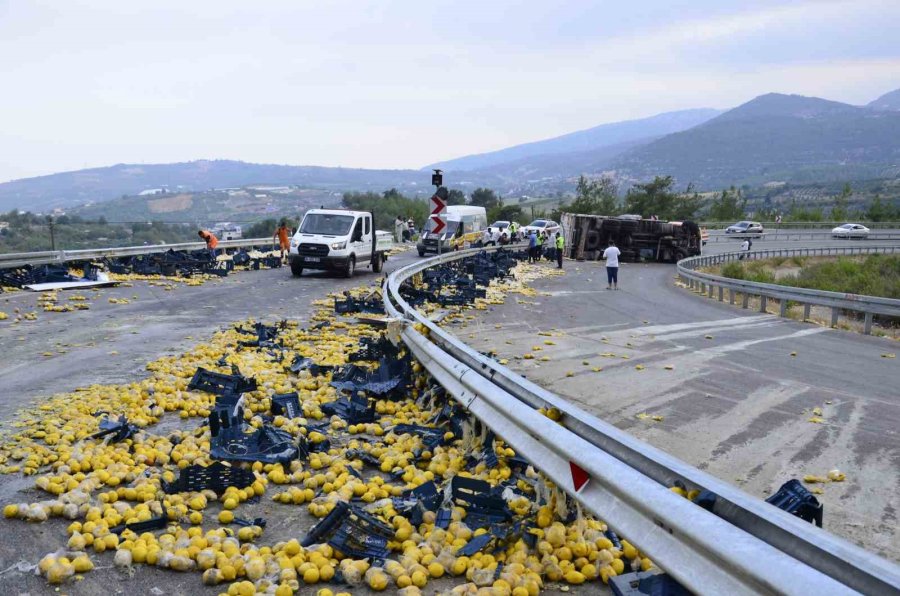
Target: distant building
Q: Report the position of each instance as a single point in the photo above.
(151, 191)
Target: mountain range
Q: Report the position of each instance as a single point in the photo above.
(773, 137)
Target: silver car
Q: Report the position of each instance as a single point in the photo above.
(745, 227)
(850, 230)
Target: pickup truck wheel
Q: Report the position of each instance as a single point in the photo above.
(351, 267)
(378, 263)
(421, 253)
(296, 269)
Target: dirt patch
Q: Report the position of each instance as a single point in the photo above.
(180, 202)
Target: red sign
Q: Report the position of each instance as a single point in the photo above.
(438, 224)
(579, 476)
(439, 205)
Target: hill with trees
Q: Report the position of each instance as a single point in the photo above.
(775, 138)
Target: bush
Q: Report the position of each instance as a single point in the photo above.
(733, 270)
(876, 275)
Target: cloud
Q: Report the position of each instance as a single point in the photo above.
(401, 84)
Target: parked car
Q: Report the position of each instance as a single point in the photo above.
(745, 227)
(542, 225)
(500, 224)
(850, 230)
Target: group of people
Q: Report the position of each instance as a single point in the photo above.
(404, 229)
(536, 243)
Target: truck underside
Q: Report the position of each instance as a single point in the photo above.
(638, 239)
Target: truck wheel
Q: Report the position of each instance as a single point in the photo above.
(351, 267)
(421, 253)
(592, 241)
(378, 263)
(296, 269)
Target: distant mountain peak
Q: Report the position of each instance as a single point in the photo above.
(780, 104)
(890, 101)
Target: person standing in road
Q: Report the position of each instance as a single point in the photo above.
(211, 242)
(283, 234)
(611, 256)
(539, 250)
(399, 226)
(532, 246)
(513, 228)
(745, 247)
(559, 250)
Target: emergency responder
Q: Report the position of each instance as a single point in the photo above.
(211, 242)
(559, 250)
(283, 234)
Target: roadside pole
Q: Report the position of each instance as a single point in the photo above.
(439, 210)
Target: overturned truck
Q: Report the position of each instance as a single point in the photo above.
(586, 237)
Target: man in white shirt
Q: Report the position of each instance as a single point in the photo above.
(611, 255)
(487, 238)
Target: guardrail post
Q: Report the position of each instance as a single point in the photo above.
(806, 309)
(762, 303)
(834, 315)
(746, 301)
(710, 293)
(868, 326)
(721, 293)
(782, 309)
(731, 296)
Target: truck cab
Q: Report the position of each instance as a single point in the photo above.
(338, 240)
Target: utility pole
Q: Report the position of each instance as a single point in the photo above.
(52, 236)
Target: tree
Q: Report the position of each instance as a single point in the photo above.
(505, 213)
(839, 211)
(456, 197)
(878, 210)
(594, 197)
(658, 198)
(728, 206)
(484, 197)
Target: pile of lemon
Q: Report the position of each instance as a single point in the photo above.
(97, 485)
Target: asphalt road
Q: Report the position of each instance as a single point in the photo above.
(113, 342)
(741, 389)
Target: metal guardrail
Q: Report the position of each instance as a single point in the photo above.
(794, 235)
(49, 257)
(787, 225)
(709, 283)
(746, 546)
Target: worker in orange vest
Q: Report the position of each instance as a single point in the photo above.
(211, 242)
(283, 233)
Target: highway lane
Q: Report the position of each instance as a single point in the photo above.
(739, 392)
(113, 342)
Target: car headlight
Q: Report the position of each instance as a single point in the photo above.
(294, 243)
(339, 245)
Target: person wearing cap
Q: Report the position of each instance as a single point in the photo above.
(282, 233)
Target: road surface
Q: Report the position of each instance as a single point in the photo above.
(739, 396)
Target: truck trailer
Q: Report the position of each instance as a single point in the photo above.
(639, 240)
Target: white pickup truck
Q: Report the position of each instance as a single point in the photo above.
(337, 239)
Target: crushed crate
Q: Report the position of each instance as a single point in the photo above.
(215, 477)
(391, 375)
(795, 499)
(229, 441)
(483, 504)
(219, 383)
(353, 532)
(300, 364)
(287, 405)
(154, 523)
(117, 430)
(353, 410)
(413, 503)
(646, 583)
(351, 305)
(29, 275)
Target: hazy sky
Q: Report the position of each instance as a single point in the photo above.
(404, 83)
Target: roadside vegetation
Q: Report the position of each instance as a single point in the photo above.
(874, 275)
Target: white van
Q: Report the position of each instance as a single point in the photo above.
(338, 239)
(465, 224)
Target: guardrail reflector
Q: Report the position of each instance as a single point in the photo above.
(579, 477)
